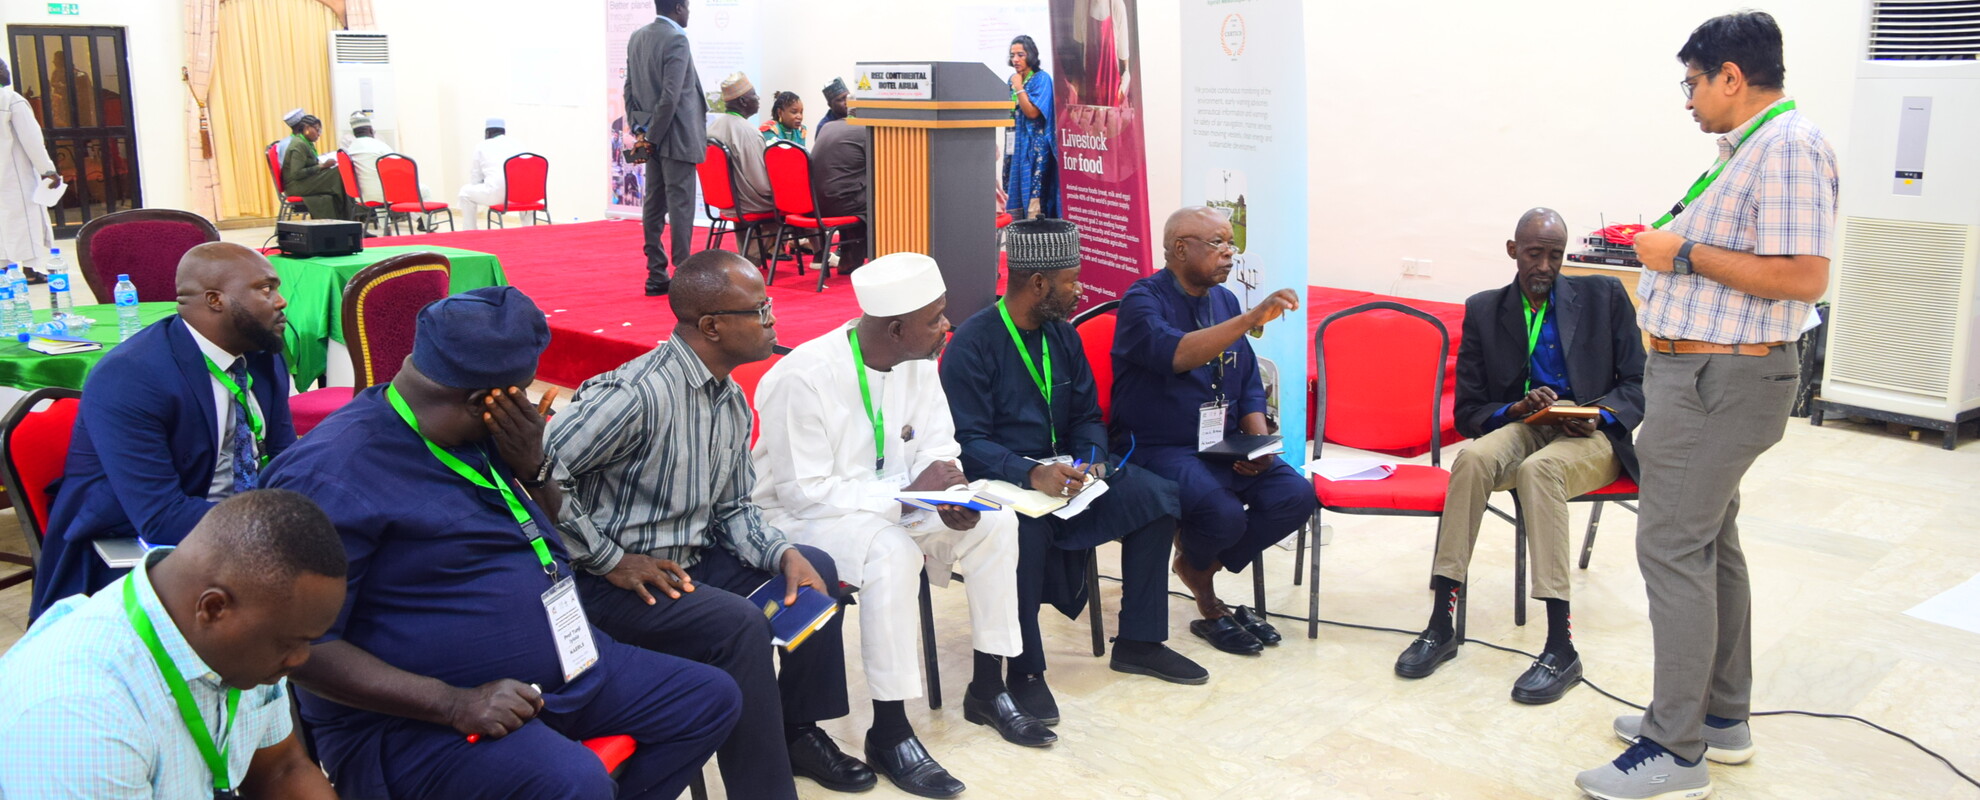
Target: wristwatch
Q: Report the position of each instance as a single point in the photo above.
(1681, 263)
(542, 474)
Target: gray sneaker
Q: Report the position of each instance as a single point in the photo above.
(1646, 771)
(1732, 745)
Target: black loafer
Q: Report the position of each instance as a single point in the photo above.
(814, 755)
(1225, 634)
(912, 769)
(1423, 655)
(1256, 624)
(1159, 662)
(1002, 712)
(1551, 676)
(1034, 696)
(657, 289)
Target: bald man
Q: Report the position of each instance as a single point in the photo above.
(180, 416)
(1542, 339)
(223, 617)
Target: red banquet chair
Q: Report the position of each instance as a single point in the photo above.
(399, 177)
(348, 171)
(144, 243)
(36, 446)
(525, 184)
(1381, 387)
(1096, 336)
(717, 174)
(381, 307)
(796, 200)
(286, 205)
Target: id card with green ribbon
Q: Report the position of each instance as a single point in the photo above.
(214, 756)
(1044, 382)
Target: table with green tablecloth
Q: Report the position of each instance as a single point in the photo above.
(314, 288)
(28, 370)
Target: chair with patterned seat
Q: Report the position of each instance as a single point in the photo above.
(35, 439)
(398, 177)
(144, 243)
(381, 309)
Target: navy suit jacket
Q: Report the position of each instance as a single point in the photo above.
(1604, 354)
(142, 455)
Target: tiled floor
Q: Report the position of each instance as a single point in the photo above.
(1845, 526)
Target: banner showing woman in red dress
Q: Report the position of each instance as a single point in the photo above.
(1102, 153)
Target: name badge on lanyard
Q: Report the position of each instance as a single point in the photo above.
(576, 651)
(1209, 425)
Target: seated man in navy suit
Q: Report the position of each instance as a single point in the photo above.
(174, 420)
(1542, 338)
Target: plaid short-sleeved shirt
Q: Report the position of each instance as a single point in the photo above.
(1777, 196)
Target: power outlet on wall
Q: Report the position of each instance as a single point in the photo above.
(1415, 267)
(1422, 268)
(1408, 266)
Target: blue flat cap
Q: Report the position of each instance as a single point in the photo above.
(485, 338)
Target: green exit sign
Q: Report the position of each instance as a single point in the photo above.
(64, 9)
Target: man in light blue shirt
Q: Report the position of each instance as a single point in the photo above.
(101, 698)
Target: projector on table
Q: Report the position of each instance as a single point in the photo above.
(302, 238)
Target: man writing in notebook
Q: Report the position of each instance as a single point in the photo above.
(1543, 338)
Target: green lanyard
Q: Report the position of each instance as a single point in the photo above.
(216, 757)
(1044, 384)
(1534, 322)
(877, 416)
(491, 481)
(1705, 180)
(240, 394)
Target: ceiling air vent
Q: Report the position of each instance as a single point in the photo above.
(1925, 30)
(349, 47)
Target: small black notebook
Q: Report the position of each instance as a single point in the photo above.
(1243, 447)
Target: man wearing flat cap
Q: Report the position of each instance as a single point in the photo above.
(849, 420)
(307, 175)
(1027, 412)
(462, 664)
(745, 143)
(487, 181)
(837, 99)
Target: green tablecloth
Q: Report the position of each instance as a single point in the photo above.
(314, 288)
(28, 370)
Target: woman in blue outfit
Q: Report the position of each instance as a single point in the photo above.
(1031, 166)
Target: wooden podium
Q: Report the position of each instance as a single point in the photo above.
(932, 168)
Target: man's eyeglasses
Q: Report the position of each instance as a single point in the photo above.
(1690, 82)
(1214, 244)
(762, 312)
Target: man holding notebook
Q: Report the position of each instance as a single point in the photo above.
(1027, 412)
(1564, 345)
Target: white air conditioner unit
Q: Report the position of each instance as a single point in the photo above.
(361, 80)
(1904, 338)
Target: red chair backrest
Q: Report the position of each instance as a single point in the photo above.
(525, 178)
(1097, 336)
(612, 750)
(381, 310)
(398, 176)
(348, 171)
(748, 376)
(790, 178)
(1381, 378)
(275, 166)
(144, 243)
(717, 182)
(37, 445)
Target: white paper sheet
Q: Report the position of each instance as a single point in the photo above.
(48, 196)
(1352, 469)
(1958, 607)
(1080, 501)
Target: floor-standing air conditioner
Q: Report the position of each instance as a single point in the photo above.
(1904, 338)
(361, 80)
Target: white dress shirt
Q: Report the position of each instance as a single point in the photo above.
(222, 486)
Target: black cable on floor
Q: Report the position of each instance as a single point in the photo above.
(1606, 693)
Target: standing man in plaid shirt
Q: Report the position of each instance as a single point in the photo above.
(1728, 282)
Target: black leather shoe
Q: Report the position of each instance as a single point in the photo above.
(1034, 697)
(1256, 624)
(1002, 712)
(1225, 634)
(1423, 655)
(912, 769)
(1551, 676)
(657, 289)
(814, 755)
(1158, 662)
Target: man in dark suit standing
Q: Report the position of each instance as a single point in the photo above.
(174, 420)
(666, 108)
(1543, 338)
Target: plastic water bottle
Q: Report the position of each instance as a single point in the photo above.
(127, 309)
(64, 325)
(23, 309)
(10, 319)
(60, 301)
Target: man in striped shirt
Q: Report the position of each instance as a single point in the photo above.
(1727, 286)
(654, 459)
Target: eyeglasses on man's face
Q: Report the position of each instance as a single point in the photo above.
(1213, 244)
(1690, 82)
(762, 311)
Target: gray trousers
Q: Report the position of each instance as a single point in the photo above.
(669, 203)
(1548, 468)
(1706, 418)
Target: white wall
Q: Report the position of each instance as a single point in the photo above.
(1436, 123)
(155, 37)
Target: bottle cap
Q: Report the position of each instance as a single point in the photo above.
(55, 251)
(122, 277)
